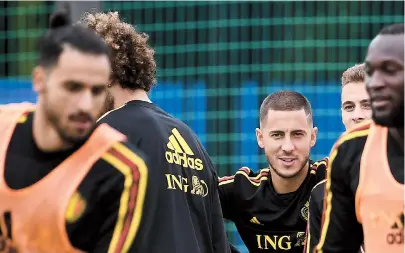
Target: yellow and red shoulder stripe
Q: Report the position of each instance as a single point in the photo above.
(316, 164)
(24, 117)
(359, 130)
(132, 198)
(245, 171)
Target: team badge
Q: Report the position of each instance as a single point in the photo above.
(304, 211)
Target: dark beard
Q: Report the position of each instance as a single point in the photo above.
(394, 119)
(69, 139)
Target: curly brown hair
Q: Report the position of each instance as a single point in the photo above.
(133, 65)
(354, 74)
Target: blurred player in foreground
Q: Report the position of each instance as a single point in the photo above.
(270, 207)
(190, 218)
(355, 109)
(63, 186)
(364, 187)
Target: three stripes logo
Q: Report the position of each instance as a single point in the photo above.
(254, 220)
(180, 152)
(396, 236)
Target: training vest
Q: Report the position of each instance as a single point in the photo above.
(38, 212)
(379, 198)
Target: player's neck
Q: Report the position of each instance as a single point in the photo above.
(286, 185)
(123, 96)
(45, 136)
(398, 134)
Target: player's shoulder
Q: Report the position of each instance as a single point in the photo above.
(318, 189)
(246, 177)
(320, 165)
(24, 107)
(355, 136)
(122, 160)
(319, 185)
(111, 115)
(125, 152)
(318, 168)
(317, 194)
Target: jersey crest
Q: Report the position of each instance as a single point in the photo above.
(304, 211)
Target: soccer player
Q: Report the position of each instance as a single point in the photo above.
(190, 217)
(355, 100)
(270, 207)
(355, 109)
(365, 180)
(63, 186)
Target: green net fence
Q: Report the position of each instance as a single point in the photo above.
(218, 60)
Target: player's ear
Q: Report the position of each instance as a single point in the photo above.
(313, 136)
(259, 137)
(38, 79)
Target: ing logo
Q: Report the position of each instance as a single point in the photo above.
(195, 187)
(180, 152)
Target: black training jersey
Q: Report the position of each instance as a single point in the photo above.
(190, 217)
(108, 204)
(315, 216)
(343, 233)
(268, 221)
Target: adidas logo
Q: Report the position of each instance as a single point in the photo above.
(398, 222)
(254, 220)
(179, 152)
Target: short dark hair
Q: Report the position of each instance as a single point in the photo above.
(285, 101)
(354, 74)
(61, 32)
(393, 29)
(134, 65)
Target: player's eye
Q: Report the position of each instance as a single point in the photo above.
(390, 69)
(368, 71)
(298, 134)
(73, 86)
(276, 135)
(348, 108)
(98, 90)
(366, 106)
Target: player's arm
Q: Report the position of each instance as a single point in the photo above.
(122, 200)
(226, 186)
(315, 216)
(340, 231)
(220, 240)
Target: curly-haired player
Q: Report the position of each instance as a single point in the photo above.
(190, 217)
(133, 65)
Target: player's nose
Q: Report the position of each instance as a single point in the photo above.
(288, 146)
(358, 115)
(85, 101)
